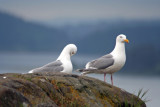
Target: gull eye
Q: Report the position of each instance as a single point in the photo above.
(121, 37)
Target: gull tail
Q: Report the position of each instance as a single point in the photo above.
(81, 70)
(85, 71)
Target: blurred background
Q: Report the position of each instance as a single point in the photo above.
(33, 33)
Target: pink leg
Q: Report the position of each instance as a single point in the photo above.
(104, 77)
(111, 79)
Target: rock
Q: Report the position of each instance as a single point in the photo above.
(48, 89)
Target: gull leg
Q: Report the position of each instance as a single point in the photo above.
(111, 79)
(104, 77)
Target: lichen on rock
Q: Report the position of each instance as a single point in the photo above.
(49, 89)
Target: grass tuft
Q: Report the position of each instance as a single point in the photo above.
(142, 94)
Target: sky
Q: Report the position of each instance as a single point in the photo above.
(73, 10)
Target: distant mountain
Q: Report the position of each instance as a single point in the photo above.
(143, 51)
(17, 34)
(98, 38)
(104, 33)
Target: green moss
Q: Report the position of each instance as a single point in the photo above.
(71, 98)
(29, 79)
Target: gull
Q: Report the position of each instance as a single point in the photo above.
(109, 63)
(63, 62)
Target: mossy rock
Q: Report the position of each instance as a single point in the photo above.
(48, 89)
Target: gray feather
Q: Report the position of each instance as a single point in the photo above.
(55, 66)
(102, 62)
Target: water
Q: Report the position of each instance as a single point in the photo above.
(23, 62)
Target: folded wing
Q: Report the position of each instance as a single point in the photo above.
(55, 66)
(102, 62)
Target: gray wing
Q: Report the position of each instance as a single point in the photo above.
(55, 66)
(102, 62)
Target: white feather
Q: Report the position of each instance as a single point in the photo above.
(4, 77)
(65, 58)
(119, 57)
(31, 71)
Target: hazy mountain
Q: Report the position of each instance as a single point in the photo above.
(143, 50)
(19, 35)
(91, 38)
(104, 33)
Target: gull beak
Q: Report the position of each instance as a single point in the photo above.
(126, 40)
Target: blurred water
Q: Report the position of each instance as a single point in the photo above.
(23, 62)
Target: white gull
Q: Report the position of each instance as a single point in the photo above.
(63, 62)
(110, 63)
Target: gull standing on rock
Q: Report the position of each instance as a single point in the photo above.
(110, 63)
(63, 62)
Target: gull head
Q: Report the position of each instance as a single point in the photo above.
(72, 49)
(122, 39)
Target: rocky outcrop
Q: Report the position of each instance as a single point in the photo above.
(48, 89)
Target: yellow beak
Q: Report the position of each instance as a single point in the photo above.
(126, 40)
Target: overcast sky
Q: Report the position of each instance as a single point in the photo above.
(45, 10)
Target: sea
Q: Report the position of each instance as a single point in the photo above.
(23, 62)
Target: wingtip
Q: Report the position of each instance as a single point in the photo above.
(79, 70)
